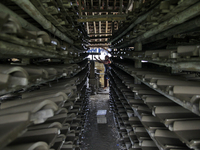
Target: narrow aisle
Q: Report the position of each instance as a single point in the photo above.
(100, 136)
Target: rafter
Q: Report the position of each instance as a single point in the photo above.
(99, 4)
(95, 30)
(106, 26)
(103, 18)
(100, 37)
(102, 42)
(121, 4)
(101, 10)
(113, 27)
(100, 34)
(107, 4)
(100, 26)
(100, 16)
(99, 46)
(88, 28)
(79, 7)
(115, 1)
(84, 5)
(91, 4)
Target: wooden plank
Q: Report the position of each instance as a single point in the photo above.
(98, 46)
(113, 27)
(91, 4)
(100, 10)
(115, 1)
(99, 4)
(100, 26)
(103, 18)
(120, 9)
(100, 37)
(97, 42)
(107, 24)
(79, 7)
(88, 28)
(84, 5)
(100, 16)
(95, 30)
(100, 34)
(107, 4)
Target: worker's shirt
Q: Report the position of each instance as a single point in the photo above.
(106, 65)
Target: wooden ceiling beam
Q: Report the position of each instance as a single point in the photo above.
(120, 9)
(99, 4)
(114, 8)
(91, 4)
(100, 26)
(98, 46)
(100, 10)
(107, 4)
(79, 7)
(106, 25)
(88, 28)
(102, 18)
(100, 37)
(102, 42)
(84, 5)
(100, 34)
(95, 29)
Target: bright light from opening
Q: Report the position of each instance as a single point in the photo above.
(144, 61)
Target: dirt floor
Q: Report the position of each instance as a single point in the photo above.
(100, 136)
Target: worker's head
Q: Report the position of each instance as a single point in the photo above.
(106, 57)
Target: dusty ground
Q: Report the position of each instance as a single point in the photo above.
(100, 136)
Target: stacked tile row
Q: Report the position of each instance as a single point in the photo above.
(147, 118)
(47, 116)
(15, 77)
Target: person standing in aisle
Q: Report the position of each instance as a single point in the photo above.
(106, 63)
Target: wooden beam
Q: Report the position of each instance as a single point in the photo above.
(79, 7)
(115, 1)
(97, 42)
(107, 4)
(84, 5)
(120, 9)
(100, 37)
(95, 30)
(113, 27)
(99, 4)
(98, 46)
(100, 16)
(100, 33)
(103, 18)
(101, 10)
(106, 25)
(91, 4)
(100, 26)
(88, 28)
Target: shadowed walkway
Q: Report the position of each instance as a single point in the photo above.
(100, 136)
